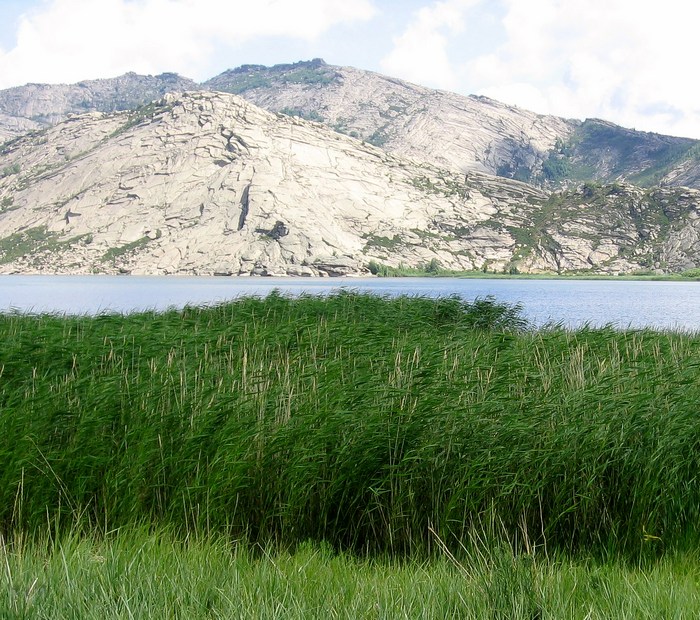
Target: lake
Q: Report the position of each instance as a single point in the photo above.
(634, 304)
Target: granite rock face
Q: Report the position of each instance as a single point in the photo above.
(208, 183)
(449, 130)
(36, 106)
(464, 133)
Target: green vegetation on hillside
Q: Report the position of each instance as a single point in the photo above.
(18, 244)
(601, 151)
(637, 222)
(249, 77)
(378, 138)
(308, 75)
(313, 115)
(123, 250)
(34, 241)
(10, 170)
(6, 204)
(141, 114)
(246, 82)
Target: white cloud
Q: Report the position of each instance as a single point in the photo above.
(628, 61)
(420, 54)
(70, 40)
(623, 60)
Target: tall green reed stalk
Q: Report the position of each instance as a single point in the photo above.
(374, 424)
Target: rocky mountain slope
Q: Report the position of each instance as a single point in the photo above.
(445, 129)
(465, 133)
(208, 183)
(35, 106)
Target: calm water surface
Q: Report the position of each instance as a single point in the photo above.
(571, 302)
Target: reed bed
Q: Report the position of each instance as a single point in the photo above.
(374, 425)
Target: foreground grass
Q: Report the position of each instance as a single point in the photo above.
(399, 427)
(349, 456)
(137, 574)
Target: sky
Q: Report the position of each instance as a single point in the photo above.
(631, 62)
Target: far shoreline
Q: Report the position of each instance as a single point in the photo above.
(391, 272)
(477, 275)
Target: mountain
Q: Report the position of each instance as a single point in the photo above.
(445, 129)
(465, 133)
(36, 106)
(208, 183)
(449, 130)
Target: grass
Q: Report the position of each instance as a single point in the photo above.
(34, 241)
(370, 424)
(375, 457)
(120, 251)
(136, 573)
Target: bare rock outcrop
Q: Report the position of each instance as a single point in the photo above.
(36, 106)
(465, 133)
(208, 183)
(446, 129)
